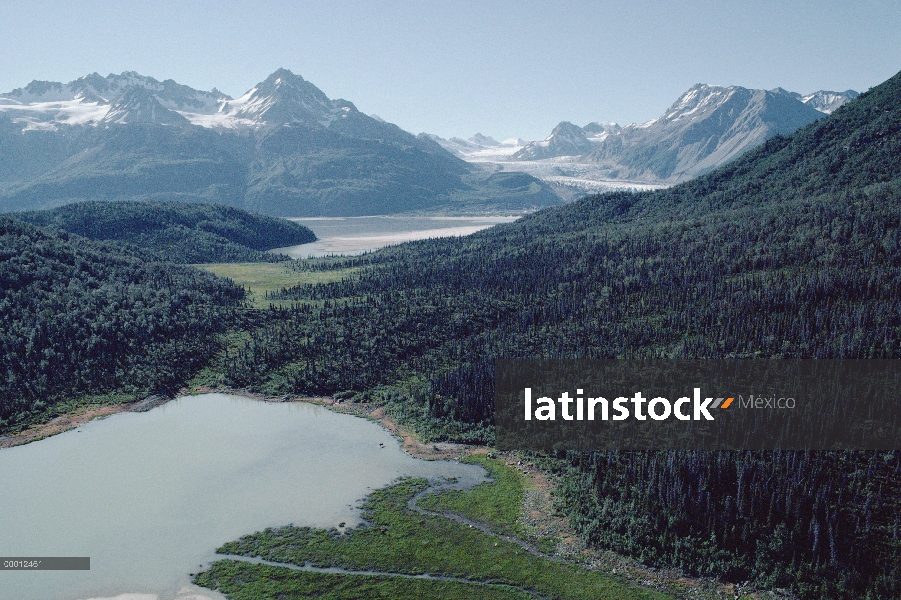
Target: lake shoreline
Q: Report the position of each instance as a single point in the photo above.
(351, 236)
(539, 513)
(149, 495)
(61, 424)
(410, 443)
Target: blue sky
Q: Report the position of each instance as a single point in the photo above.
(505, 69)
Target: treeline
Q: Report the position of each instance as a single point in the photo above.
(79, 317)
(793, 251)
(182, 232)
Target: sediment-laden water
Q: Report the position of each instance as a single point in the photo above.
(354, 235)
(149, 496)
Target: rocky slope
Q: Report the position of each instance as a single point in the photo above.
(706, 127)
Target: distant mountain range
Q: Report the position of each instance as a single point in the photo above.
(476, 144)
(283, 148)
(706, 127)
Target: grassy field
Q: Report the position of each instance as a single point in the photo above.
(246, 581)
(399, 540)
(497, 503)
(260, 278)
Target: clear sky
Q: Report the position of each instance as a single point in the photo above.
(506, 69)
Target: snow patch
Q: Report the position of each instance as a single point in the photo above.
(68, 112)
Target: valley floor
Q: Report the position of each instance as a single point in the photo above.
(514, 515)
(516, 509)
(569, 179)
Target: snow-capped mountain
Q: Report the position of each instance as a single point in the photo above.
(486, 141)
(565, 140)
(598, 132)
(828, 102)
(477, 146)
(283, 148)
(104, 90)
(87, 100)
(286, 98)
(140, 105)
(514, 142)
(706, 127)
(455, 145)
(282, 98)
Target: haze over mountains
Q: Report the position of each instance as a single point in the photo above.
(706, 127)
(284, 148)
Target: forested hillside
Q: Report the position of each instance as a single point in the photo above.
(181, 232)
(793, 250)
(79, 317)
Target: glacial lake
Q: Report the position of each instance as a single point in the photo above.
(355, 235)
(150, 496)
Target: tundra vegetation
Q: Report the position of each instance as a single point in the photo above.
(396, 540)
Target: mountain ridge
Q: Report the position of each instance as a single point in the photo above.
(283, 148)
(103, 91)
(705, 127)
(140, 105)
(565, 140)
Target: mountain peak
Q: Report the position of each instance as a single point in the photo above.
(284, 98)
(484, 140)
(284, 74)
(707, 126)
(599, 131)
(700, 98)
(284, 81)
(140, 105)
(828, 102)
(565, 127)
(86, 93)
(565, 140)
(598, 126)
